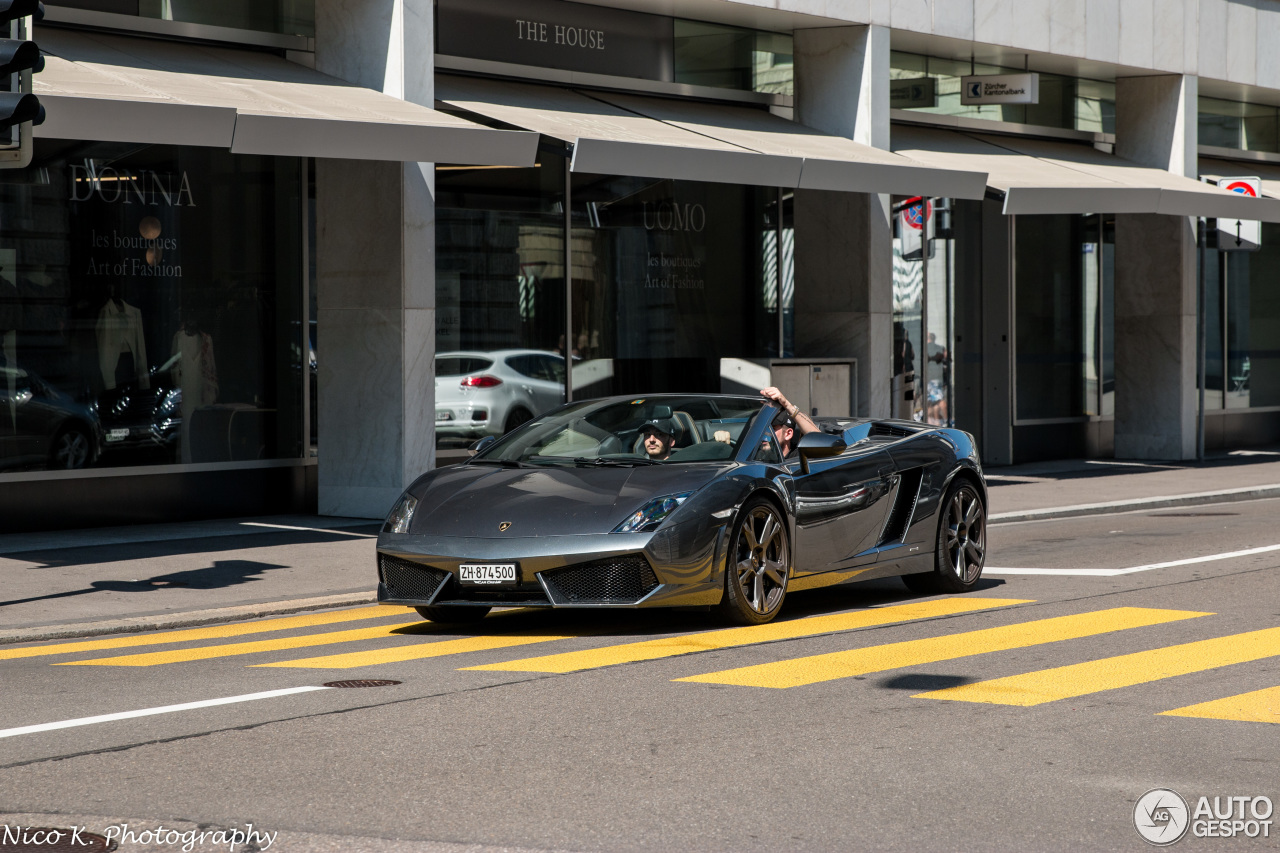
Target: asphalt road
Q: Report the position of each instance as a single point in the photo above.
(1031, 714)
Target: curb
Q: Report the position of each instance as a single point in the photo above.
(189, 619)
(1248, 493)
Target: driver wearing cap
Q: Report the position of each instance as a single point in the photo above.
(659, 434)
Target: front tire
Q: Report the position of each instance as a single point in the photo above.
(517, 418)
(759, 565)
(454, 614)
(960, 550)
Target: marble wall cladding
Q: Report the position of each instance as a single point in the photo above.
(1267, 45)
(912, 15)
(360, 408)
(1156, 121)
(1155, 343)
(354, 40)
(419, 395)
(1169, 42)
(1213, 39)
(358, 234)
(1137, 33)
(1067, 29)
(953, 18)
(419, 223)
(1102, 30)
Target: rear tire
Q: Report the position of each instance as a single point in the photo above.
(960, 550)
(759, 565)
(517, 418)
(455, 614)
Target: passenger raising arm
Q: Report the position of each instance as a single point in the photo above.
(788, 422)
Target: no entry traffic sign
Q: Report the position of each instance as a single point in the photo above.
(1240, 235)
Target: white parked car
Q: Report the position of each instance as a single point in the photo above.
(490, 393)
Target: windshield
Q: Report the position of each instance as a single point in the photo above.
(638, 431)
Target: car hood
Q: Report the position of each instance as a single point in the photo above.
(473, 500)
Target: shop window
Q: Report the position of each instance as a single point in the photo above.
(1055, 323)
(1242, 352)
(1065, 102)
(667, 282)
(287, 17)
(733, 58)
(151, 307)
(1232, 124)
(500, 299)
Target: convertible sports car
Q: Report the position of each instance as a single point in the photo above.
(570, 511)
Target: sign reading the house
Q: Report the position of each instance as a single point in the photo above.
(558, 34)
(1240, 235)
(1000, 89)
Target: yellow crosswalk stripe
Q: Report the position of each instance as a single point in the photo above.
(415, 652)
(833, 665)
(218, 632)
(251, 648)
(1260, 706)
(730, 637)
(1064, 682)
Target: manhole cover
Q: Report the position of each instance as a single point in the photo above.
(47, 839)
(361, 682)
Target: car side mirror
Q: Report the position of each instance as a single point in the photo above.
(481, 445)
(818, 445)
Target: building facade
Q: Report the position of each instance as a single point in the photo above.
(285, 256)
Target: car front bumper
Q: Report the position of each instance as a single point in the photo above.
(681, 565)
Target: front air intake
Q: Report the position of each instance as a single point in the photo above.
(620, 580)
(409, 580)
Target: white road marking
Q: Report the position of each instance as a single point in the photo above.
(146, 712)
(1109, 573)
(310, 529)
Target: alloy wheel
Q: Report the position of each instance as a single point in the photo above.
(762, 560)
(966, 535)
(71, 450)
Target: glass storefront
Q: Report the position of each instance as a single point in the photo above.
(666, 280)
(733, 58)
(151, 307)
(1064, 317)
(1242, 326)
(1233, 124)
(288, 17)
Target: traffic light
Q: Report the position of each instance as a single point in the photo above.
(19, 59)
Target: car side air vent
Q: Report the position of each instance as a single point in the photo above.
(410, 580)
(904, 506)
(888, 430)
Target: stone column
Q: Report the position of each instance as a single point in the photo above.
(844, 248)
(375, 272)
(1155, 287)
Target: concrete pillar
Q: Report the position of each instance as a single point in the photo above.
(1155, 288)
(375, 272)
(844, 248)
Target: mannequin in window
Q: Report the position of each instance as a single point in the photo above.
(122, 352)
(194, 373)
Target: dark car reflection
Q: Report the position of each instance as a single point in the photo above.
(143, 419)
(43, 427)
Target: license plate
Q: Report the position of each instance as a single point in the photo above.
(487, 573)
(117, 435)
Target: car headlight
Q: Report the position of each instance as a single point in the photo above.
(652, 514)
(400, 517)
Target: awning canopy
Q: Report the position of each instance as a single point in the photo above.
(118, 89)
(1045, 176)
(620, 134)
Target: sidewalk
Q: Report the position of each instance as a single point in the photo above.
(90, 582)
